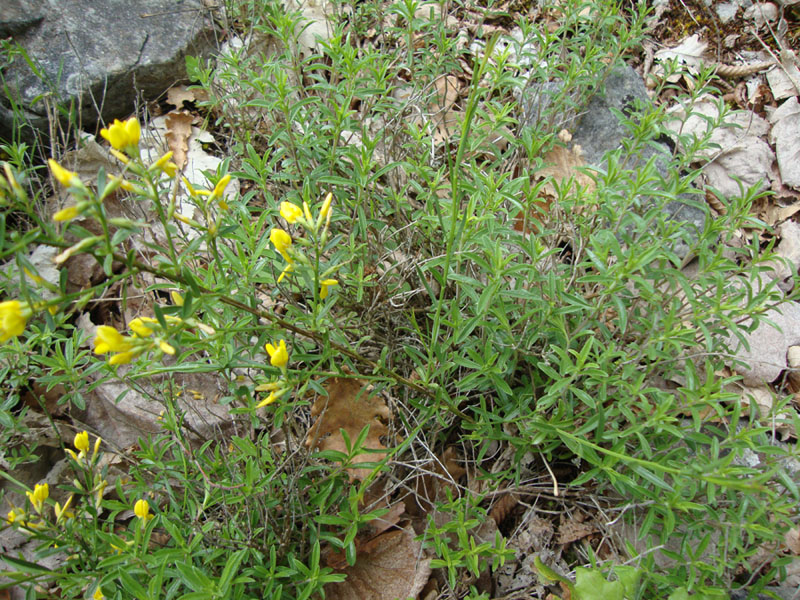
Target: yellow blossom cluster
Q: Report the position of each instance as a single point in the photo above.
(124, 136)
(37, 497)
(124, 139)
(126, 348)
(81, 443)
(283, 243)
(204, 199)
(294, 215)
(279, 358)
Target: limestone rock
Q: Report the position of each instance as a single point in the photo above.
(17, 16)
(598, 130)
(98, 56)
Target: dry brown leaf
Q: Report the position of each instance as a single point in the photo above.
(388, 567)
(762, 397)
(179, 128)
(179, 94)
(792, 540)
(502, 507)
(447, 124)
(337, 559)
(737, 154)
(573, 530)
(431, 488)
(561, 164)
(350, 407)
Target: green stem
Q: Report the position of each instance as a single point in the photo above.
(455, 169)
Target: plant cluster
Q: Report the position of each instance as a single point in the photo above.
(367, 244)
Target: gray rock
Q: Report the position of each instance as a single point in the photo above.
(17, 16)
(98, 56)
(597, 130)
(600, 131)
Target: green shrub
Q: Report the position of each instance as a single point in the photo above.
(551, 340)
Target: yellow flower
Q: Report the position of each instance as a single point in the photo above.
(139, 327)
(291, 212)
(286, 271)
(123, 136)
(268, 400)
(326, 206)
(142, 510)
(164, 165)
(324, 285)
(98, 594)
(67, 214)
(13, 317)
(219, 189)
(39, 494)
(282, 241)
(62, 512)
(98, 492)
(81, 442)
(120, 156)
(62, 175)
(190, 188)
(109, 339)
(123, 183)
(166, 348)
(177, 298)
(15, 514)
(269, 387)
(123, 358)
(278, 355)
(307, 212)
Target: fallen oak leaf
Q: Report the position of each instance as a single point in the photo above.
(349, 407)
(388, 567)
(179, 129)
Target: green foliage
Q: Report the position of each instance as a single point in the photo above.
(550, 340)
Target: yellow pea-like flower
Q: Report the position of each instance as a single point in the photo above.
(123, 136)
(142, 510)
(324, 285)
(326, 207)
(39, 494)
(278, 355)
(62, 511)
(286, 272)
(81, 441)
(123, 358)
(219, 189)
(139, 327)
(63, 176)
(67, 214)
(291, 212)
(13, 317)
(109, 339)
(282, 241)
(268, 400)
(164, 164)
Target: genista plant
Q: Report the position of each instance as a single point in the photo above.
(377, 235)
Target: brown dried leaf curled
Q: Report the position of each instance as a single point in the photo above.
(350, 407)
(179, 129)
